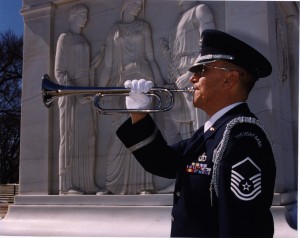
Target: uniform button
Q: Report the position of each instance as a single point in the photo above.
(178, 194)
(172, 218)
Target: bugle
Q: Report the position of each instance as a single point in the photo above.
(52, 91)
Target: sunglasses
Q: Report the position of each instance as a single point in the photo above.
(205, 68)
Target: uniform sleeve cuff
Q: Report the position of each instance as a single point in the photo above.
(138, 135)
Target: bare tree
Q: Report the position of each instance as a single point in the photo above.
(11, 59)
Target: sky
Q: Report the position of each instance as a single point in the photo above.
(10, 16)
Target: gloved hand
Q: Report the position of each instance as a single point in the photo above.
(137, 98)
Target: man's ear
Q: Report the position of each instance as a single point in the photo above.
(232, 79)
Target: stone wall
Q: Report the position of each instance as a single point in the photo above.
(271, 27)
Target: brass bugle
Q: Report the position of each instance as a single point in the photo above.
(51, 91)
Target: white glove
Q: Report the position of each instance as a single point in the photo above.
(137, 98)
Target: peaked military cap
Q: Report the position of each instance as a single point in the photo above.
(218, 45)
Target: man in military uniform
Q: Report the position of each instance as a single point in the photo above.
(225, 173)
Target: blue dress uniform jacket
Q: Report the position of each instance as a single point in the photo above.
(224, 177)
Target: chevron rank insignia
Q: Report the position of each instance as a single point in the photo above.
(246, 180)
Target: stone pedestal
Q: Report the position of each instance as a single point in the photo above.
(101, 216)
(107, 216)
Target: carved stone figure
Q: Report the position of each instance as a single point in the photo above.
(182, 49)
(76, 115)
(128, 55)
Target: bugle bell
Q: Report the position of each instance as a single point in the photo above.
(51, 91)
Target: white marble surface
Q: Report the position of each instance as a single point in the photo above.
(102, 216)
(273, 101)
(262, 24)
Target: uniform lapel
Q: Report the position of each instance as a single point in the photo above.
(240, 110)
(198, 146)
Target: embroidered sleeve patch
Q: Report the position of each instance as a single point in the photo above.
(246, 180)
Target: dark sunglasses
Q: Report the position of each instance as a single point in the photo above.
(205, 68)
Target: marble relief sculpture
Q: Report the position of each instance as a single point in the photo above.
(182, 48)
(128, 55)
(76, 114)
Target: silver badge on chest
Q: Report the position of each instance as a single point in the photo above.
(202, 157)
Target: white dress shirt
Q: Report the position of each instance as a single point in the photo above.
(218, 114)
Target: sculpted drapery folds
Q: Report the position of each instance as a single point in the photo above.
(76, 115)
(128, 55)
(181, 50)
